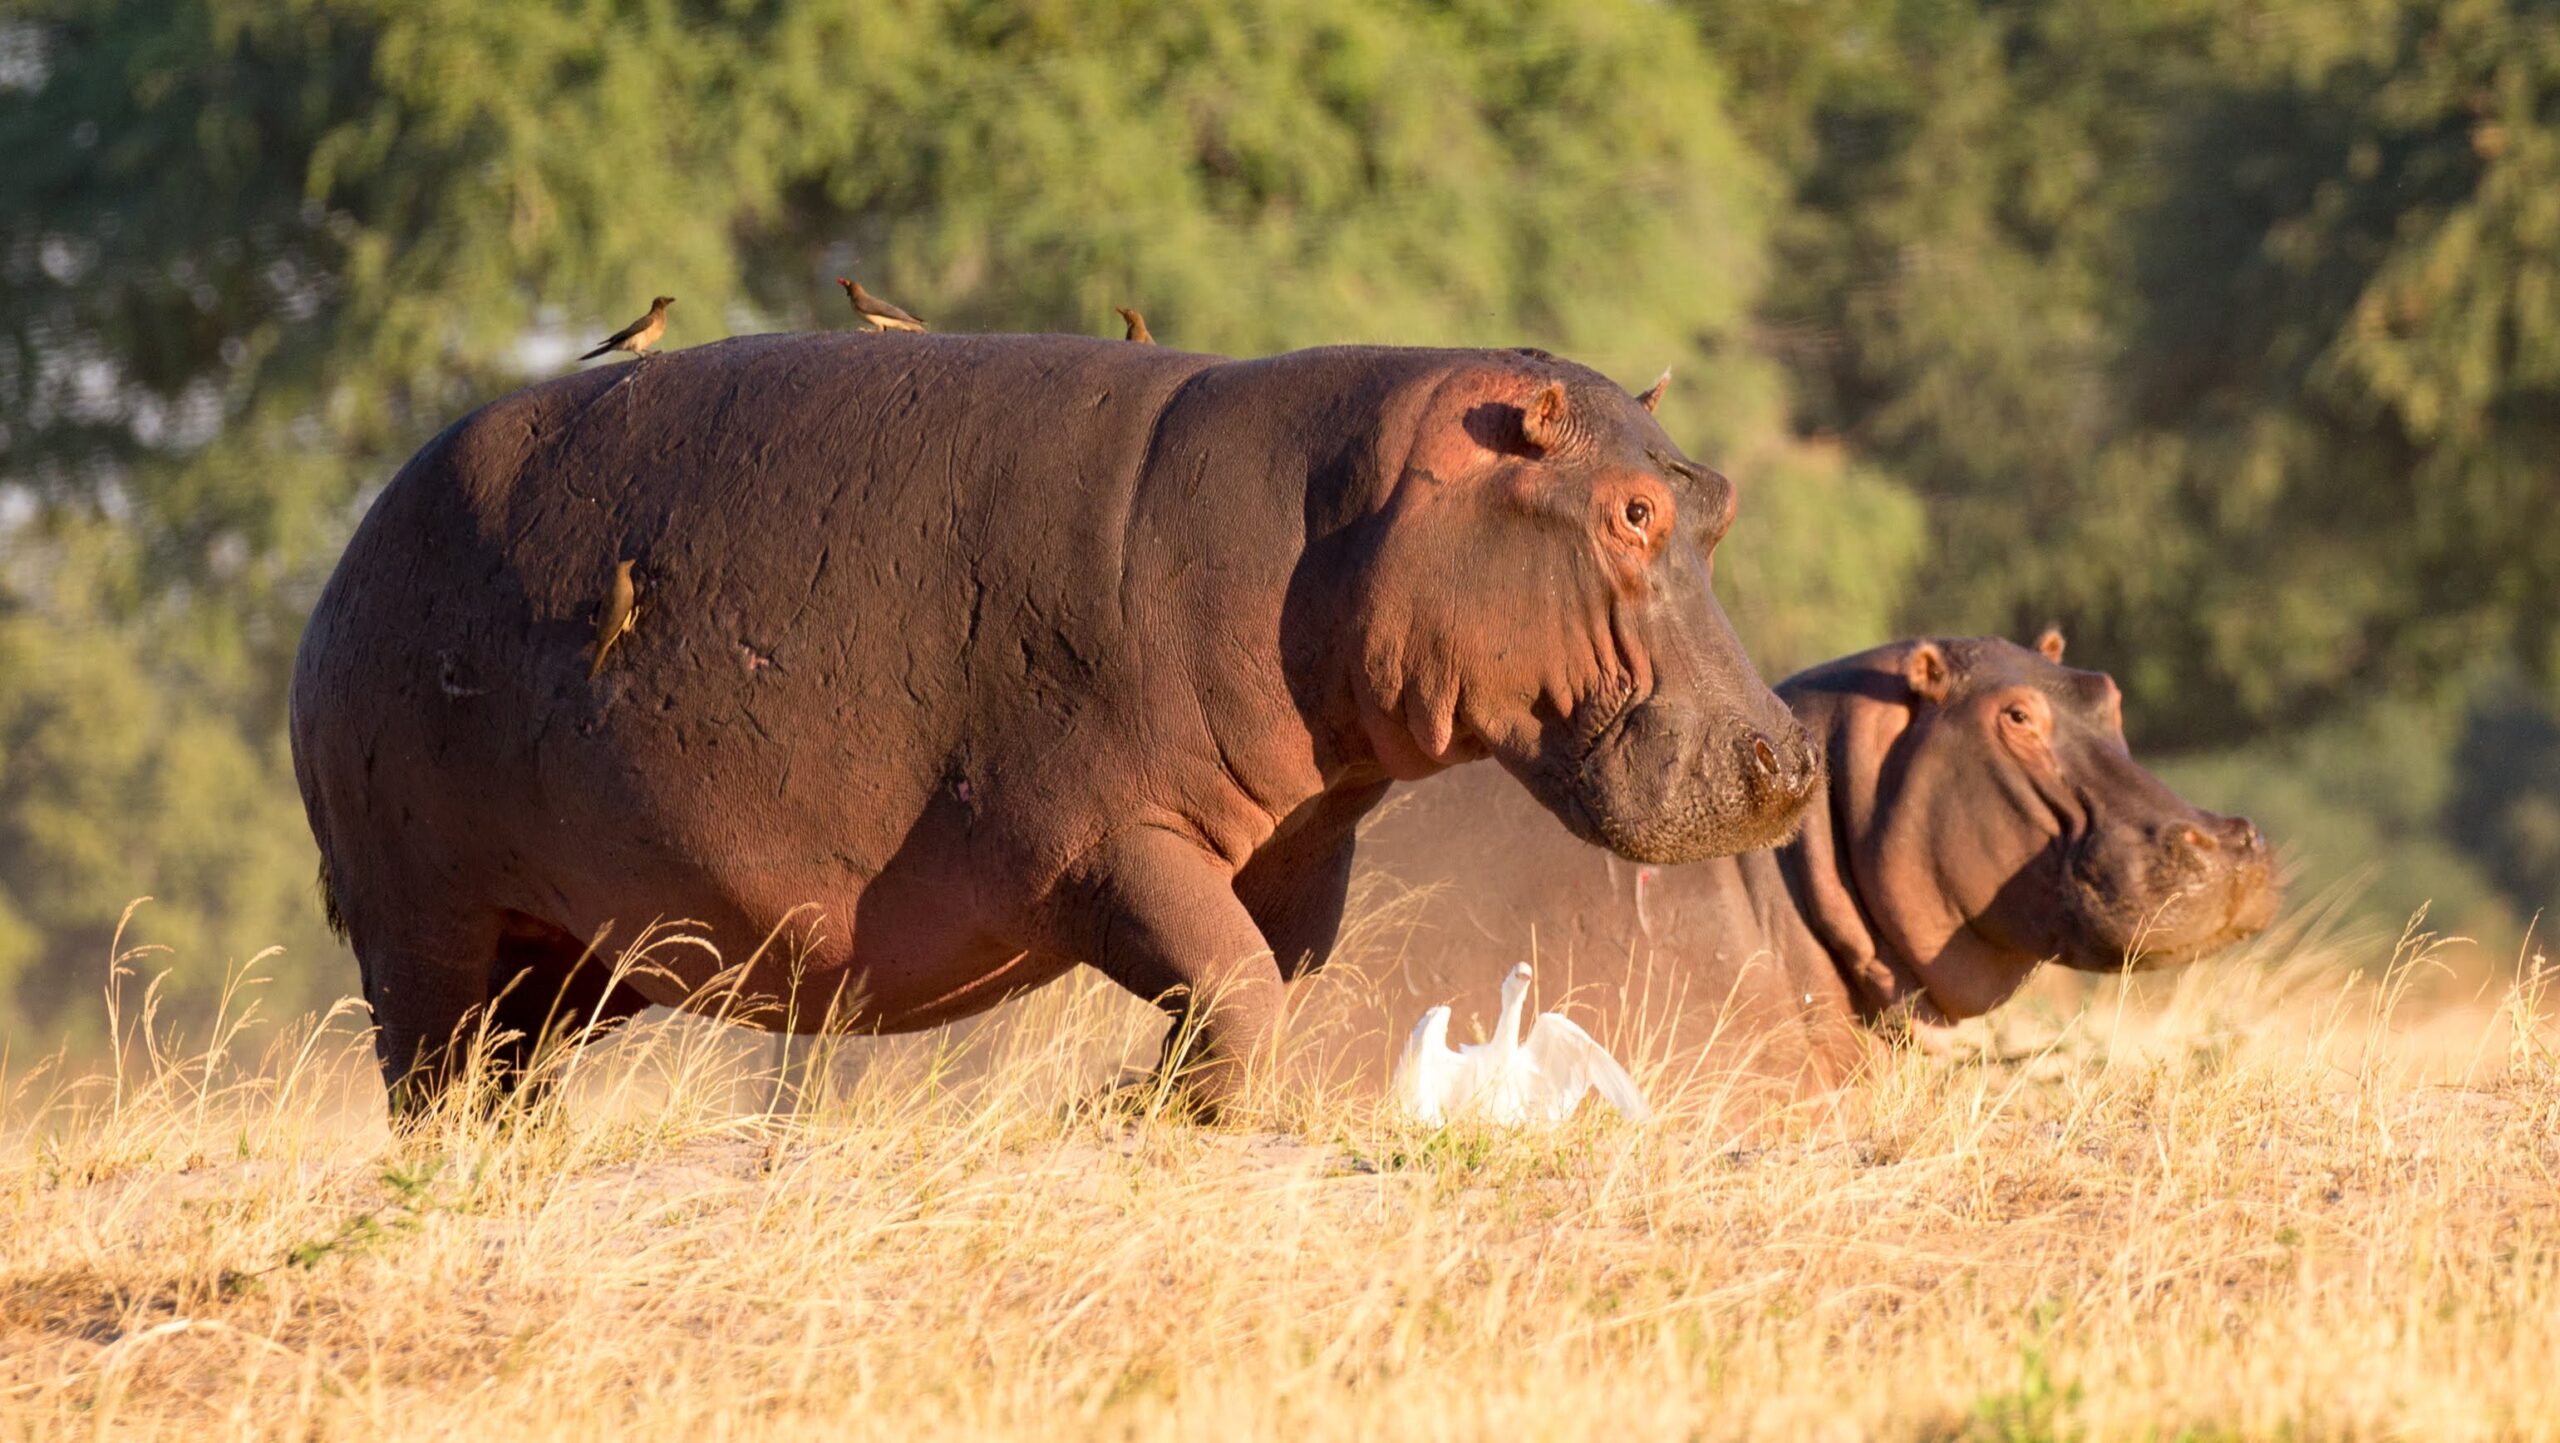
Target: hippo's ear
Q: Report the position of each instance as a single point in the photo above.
(2051, 644)
(1544, 418)
(1925, 668)
(1651, 397)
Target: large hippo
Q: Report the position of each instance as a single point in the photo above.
(963, 660)
(1982, 815)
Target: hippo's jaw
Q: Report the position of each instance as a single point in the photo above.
(1655, 790)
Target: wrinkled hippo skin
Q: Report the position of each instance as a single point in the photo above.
(963, 660)
(1981, 815)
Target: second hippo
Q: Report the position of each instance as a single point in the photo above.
(1982, 816)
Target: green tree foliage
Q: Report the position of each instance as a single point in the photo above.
(2352, 309)
(116, 779)
(2225, 333)
(253, 251)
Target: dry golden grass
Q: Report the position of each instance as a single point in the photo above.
(2262, 1199)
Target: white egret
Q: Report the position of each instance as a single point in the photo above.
(1506, 1080)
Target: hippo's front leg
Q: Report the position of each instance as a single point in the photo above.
(1296, 884)
(1156, 913)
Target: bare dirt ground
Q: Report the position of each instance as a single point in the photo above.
(2274, 1197)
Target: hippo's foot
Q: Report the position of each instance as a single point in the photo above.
(1195, 1089)
(1915, 1022)
(426, 981)
(1138, 1093)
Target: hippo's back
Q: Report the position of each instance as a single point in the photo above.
(825, 530)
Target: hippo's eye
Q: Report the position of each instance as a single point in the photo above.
(2017, 715)
(1639, 513)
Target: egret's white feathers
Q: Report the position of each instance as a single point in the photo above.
(1560, 1049)
(1503, 1079)
(1424, 1075)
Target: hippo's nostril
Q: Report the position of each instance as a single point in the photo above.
(2193, 838)
(1764, 756)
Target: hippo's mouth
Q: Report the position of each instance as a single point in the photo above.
(1575, 777)
(1568, 774)
(2155, 920)
(1658, 784)
(2165, 944)
(1582, 776)
(1608, 713)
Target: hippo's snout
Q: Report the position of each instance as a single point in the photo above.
(2243, 850)
(1762, 775)
(2211, 853)
(2191, 885)
(1666, 786)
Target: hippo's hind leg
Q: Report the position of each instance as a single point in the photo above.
(1157, 914)
(499, 984)
(544, 984)
(426, 985)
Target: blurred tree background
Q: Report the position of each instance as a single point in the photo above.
(2228, 335)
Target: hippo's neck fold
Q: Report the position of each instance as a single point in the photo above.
(1824, 886)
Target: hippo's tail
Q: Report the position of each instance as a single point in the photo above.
(330, 912)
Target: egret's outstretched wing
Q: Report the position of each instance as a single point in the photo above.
(1428, 1067)
(1570, 1063)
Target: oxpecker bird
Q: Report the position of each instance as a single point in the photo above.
(640, 335)
(1137, 326)
(881, 314)
(621, 612)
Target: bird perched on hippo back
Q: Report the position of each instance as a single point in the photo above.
(880, 315)
(636, 339)
(1981, 815)
(1077, 652)
(1137, 327)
